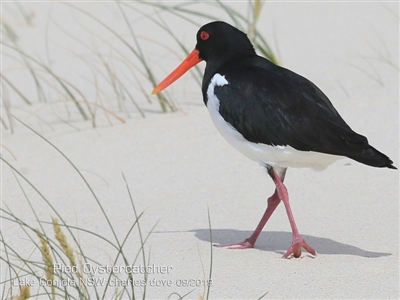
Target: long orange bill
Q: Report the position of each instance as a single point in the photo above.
(190, 61)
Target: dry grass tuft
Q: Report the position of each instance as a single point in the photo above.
(48, 260)
(60, 236)
(25, 293)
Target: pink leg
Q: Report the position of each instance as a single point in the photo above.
(297, 242)
(273, 202)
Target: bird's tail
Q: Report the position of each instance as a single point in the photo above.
(374, 158)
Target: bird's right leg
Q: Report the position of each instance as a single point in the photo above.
(298, 241)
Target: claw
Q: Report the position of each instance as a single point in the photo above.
(241, 245)
(295, 248)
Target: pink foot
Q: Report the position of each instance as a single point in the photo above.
(295, 248)
(241, 245)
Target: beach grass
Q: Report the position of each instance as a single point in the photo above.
(58, 243)
(115, 78)
(59, 250)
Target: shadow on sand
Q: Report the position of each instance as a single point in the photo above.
(279, 241)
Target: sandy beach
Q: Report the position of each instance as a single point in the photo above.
(178, 169)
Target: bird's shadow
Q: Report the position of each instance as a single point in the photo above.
(279, 242)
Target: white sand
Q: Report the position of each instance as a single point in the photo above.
(177, 166)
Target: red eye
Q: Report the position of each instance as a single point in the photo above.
(204, 35)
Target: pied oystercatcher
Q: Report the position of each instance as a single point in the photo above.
(272, 115)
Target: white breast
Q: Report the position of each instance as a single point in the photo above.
(283, 156)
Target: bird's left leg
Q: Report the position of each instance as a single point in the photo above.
(298, 241)
(272, 204)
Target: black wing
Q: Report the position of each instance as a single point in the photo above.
(274, 106)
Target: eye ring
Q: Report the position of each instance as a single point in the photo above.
(204, 35)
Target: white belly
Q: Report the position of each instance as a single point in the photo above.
(283, 156)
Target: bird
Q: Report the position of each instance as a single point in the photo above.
(272, 115)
